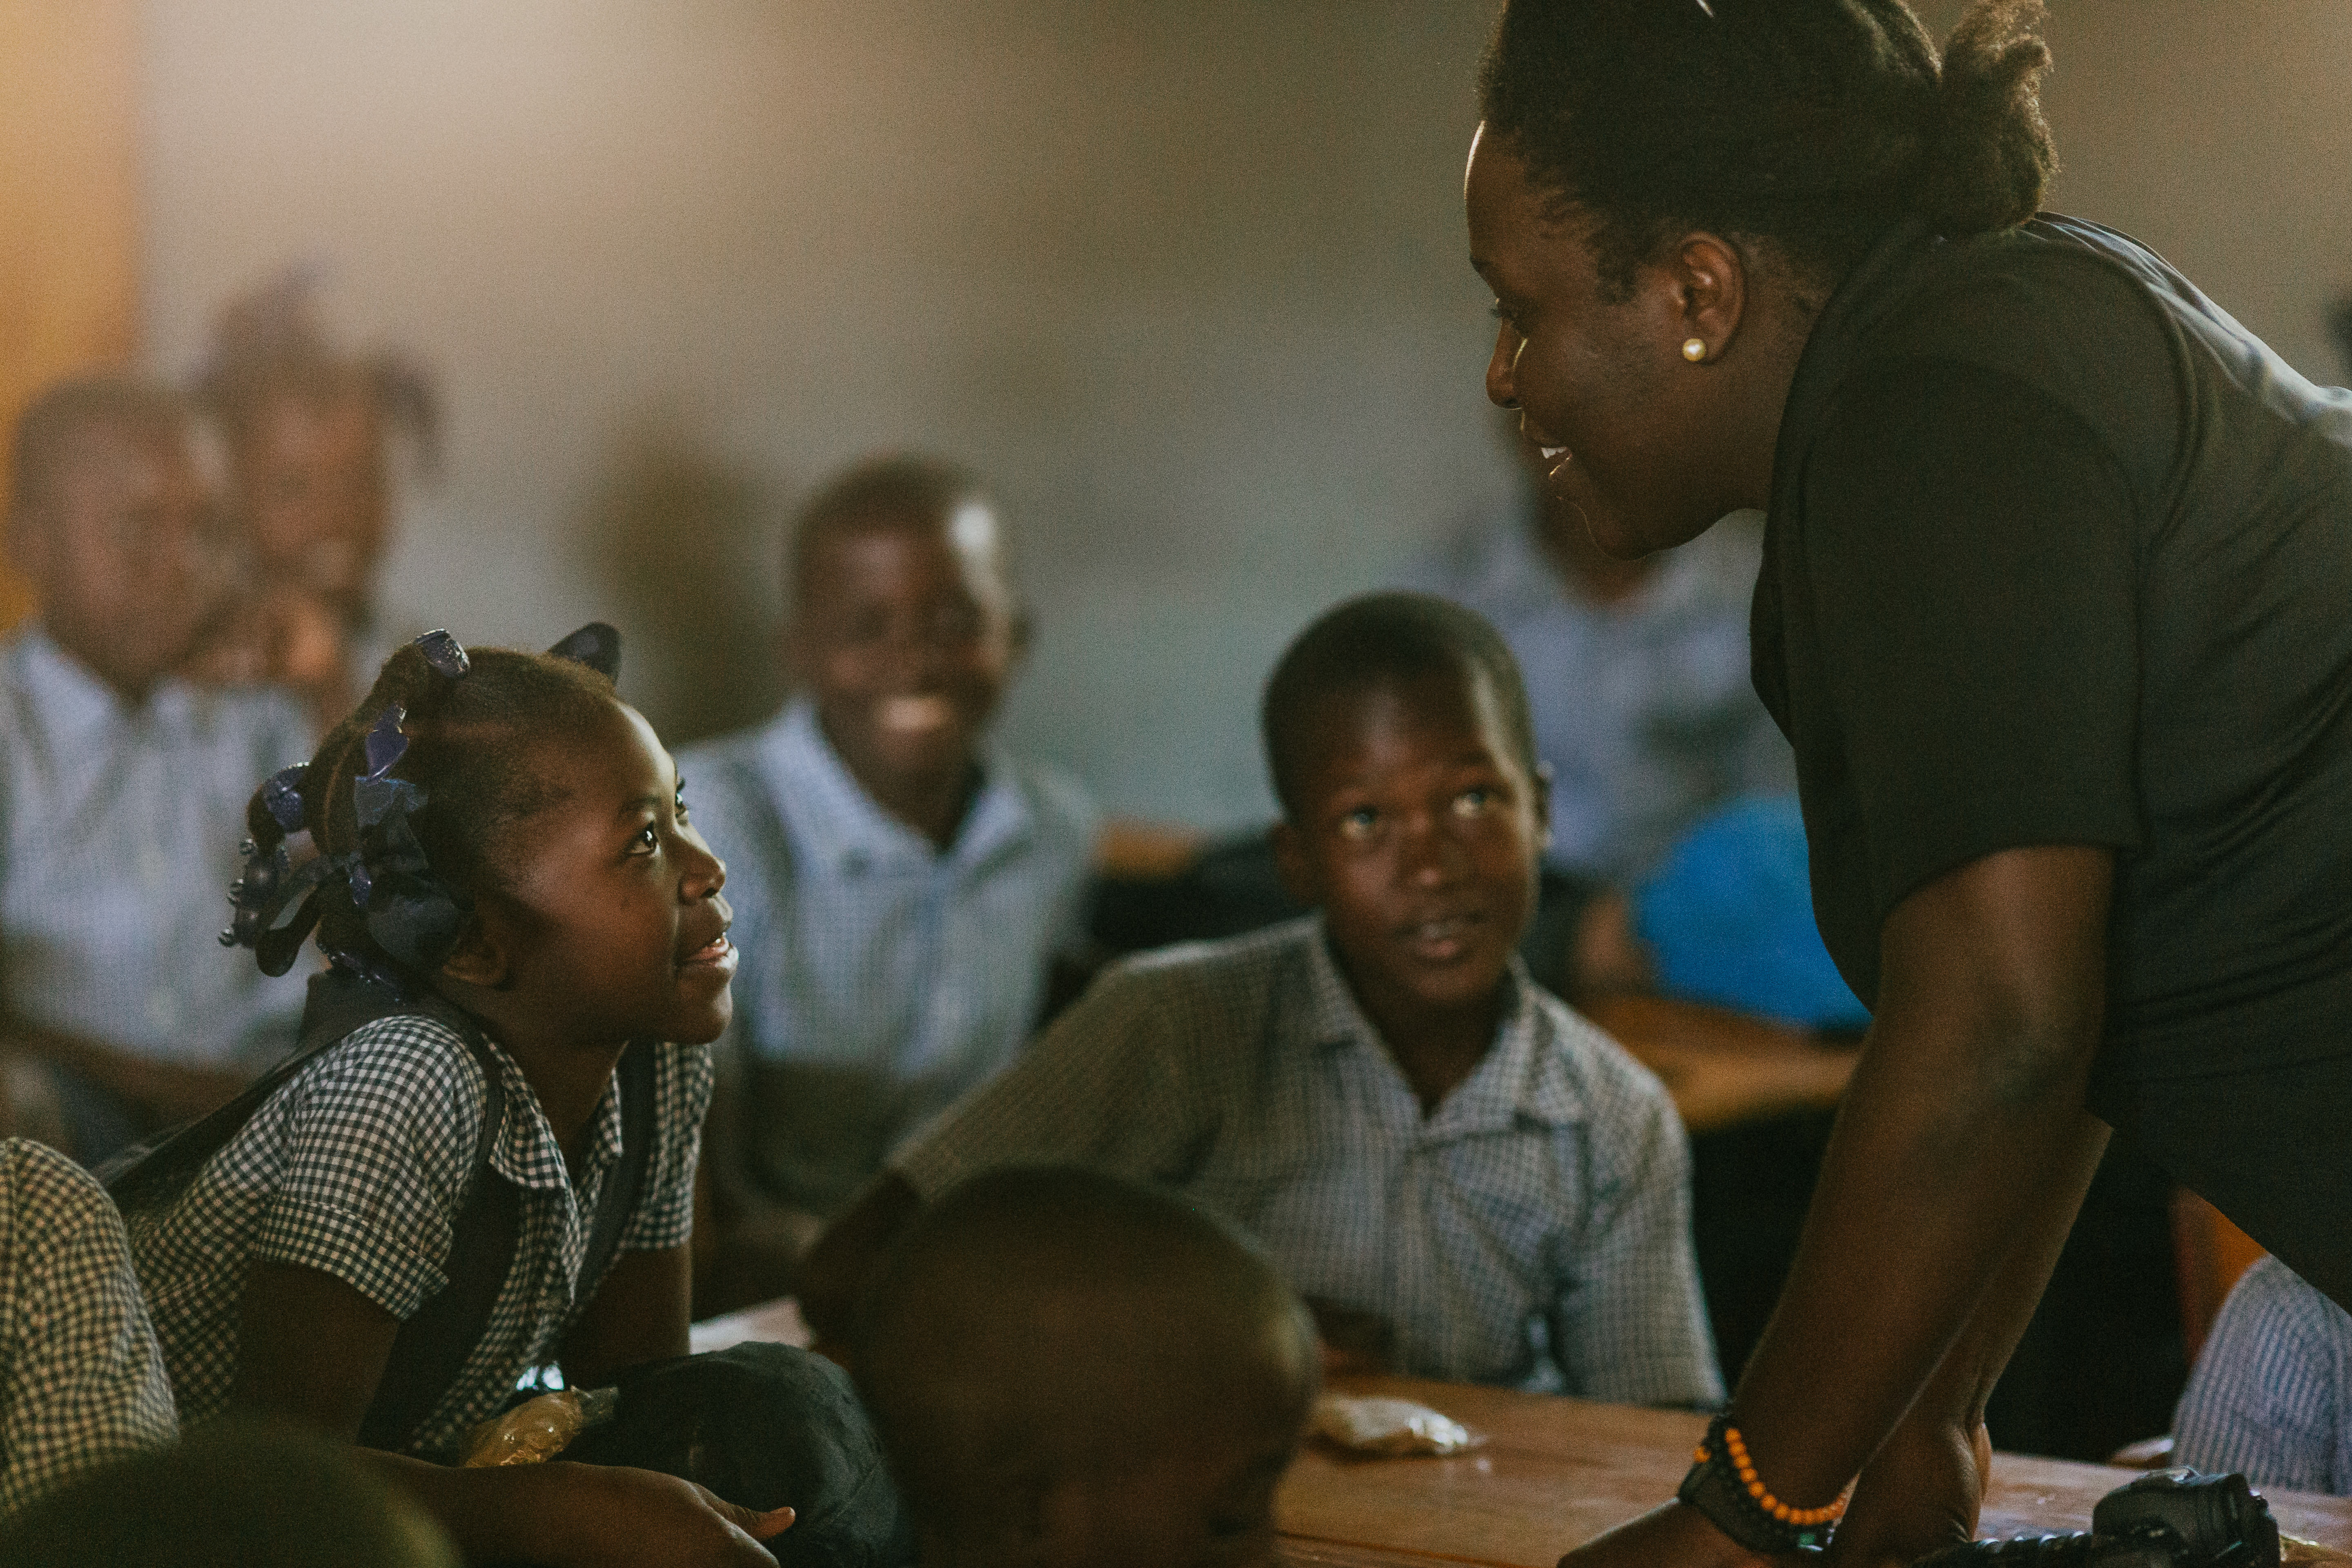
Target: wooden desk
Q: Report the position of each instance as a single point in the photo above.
(1557, 1472)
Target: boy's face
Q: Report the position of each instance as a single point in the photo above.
(905, 634)
(1416, 831)
(129, 553)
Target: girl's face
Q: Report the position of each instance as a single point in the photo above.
(1605, 392)
(316, 492)
(610, 917)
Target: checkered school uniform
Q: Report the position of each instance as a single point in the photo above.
(1534, 1231)
(119, 827)
(81, 1382)
(357, 1167)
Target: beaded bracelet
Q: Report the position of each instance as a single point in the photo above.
(1723, 1485)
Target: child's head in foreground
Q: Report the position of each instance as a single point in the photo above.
(543, 859)
(904, 627)
(1072, 1370)
(1413, 807)
(241, 1490)
(112, 519)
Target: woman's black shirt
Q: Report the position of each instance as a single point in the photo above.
(2060, 553)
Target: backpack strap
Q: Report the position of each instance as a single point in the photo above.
(618, 1202)
(433, 1346)
(430, 1351)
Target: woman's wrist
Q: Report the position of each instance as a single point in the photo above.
(1724, 1485)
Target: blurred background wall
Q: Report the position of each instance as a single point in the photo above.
(1187, 278)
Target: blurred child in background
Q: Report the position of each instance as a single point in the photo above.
(308, 428)
(122, 787)
(1436, 1152)
(900, 882)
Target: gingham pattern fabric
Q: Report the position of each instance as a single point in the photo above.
(118, 829)
(81, 1382)
(358, 1166)
(1534, 1231)
(880, 976)
(2271, 1395)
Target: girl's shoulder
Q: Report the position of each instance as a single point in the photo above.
(406, 1068)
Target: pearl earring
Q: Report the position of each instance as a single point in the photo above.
(1694, 349)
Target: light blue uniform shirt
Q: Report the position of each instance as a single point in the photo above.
(880, 977)
(1643, 709)
(119, 832)
(2271, 1395)
(1532, 1231)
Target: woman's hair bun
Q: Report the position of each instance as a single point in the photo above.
(1815, 124)
(1991, 156)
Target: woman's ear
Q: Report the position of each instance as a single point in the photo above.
(1707, 278)
(479, 959)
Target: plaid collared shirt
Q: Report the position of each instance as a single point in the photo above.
(119, 828)
(81, 1382)
(1533, 1231)
(357, 1168)
(881, 977)
(2272, 1394)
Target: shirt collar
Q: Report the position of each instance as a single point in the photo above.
(1521, 1078)
(840, 826)
(74, 702)
(528, 1154)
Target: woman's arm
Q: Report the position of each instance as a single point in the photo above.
(312, 1347)
(1960, 1134)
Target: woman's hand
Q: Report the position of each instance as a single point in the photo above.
(607, 1516)
(1918, 1494)
(1673, 1536)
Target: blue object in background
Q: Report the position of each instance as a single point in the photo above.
(1727, 916)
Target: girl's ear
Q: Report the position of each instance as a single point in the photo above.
(479, 959)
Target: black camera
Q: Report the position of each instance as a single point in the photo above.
(2172, 1518)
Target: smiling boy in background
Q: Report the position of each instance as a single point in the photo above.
(1420, 1137)
(900, 882)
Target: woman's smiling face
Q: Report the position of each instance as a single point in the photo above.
(608, 910)
(1599, 375)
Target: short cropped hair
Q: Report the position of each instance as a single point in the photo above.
(894, 485)
(243, 1489)
(1059, 1263)
(49, 430)
(1385, 639)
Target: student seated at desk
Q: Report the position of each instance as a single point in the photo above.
(2272, 1394)
(530, 953)
(122, 788)
(1073, 1369)
(1427, 1144)
(900, 883)
(81, 1380)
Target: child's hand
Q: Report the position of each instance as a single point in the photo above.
(619, 1518)
(1352, 1341)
